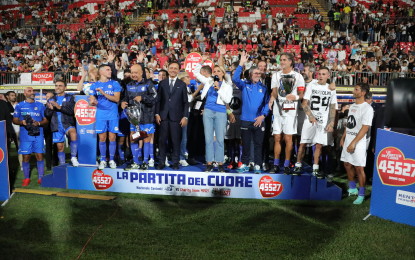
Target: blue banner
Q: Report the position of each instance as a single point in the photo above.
(4, 165)
(85, 127)
(393, 190)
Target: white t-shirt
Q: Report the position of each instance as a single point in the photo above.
(359, 115)
(321, 97)
(276, 83)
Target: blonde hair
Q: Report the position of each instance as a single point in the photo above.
(183, 75)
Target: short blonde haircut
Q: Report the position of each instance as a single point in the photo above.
(183, 75)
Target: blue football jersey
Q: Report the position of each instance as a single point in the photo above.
(106, 109)
(36, 110)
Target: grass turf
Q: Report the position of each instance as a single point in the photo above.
(135, 226)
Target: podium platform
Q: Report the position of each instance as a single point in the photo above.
(192, 181)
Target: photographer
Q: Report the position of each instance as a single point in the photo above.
(218, 93)
(29, 114)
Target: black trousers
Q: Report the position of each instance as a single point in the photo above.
(173, 130)
(248, 133)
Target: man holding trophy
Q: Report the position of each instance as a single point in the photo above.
(287, 88)
(139, 104)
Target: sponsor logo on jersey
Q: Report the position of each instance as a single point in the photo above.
(351, 122)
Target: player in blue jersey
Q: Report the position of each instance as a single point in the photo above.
(105, 94)
(141, 91)
(60, 109)
(29, 114)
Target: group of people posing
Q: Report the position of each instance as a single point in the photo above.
(246, 108)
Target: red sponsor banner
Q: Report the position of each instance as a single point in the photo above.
(394, 168)
(101, 181)
(84, 113)
(269, 188)
(43, 78)
(190, 63)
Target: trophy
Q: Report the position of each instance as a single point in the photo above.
(287, 83)
(133, 115)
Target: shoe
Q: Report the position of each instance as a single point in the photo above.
(221, 168)
(265, 167)
(319, 175)
(39, 181)
(243, 168)
(160, 166)
(192, 161)
(112, 164)
(151, 163)
(75, 162)
(209, 168)
(251, 166)
(239, 164)
(167, 163)
(314, 173)
(230, 166)
(183, 163)
(25, 182)
(257, 169)
(287, 170)
(275, 169)
(359, 200)
(175, 166)
(297, 170)
(354, 191)
(134, 166)
(144, 166)
(102, 165)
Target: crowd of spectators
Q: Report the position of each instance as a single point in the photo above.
(353, 40)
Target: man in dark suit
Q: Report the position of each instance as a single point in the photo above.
(172, 110)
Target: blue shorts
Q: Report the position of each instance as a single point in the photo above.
(59, 136)
(149, 128)
(103, 126)
(29, 147)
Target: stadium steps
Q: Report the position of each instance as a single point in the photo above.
(321, 8)
(140, 20)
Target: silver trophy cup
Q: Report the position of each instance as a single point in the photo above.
(134, 115)
(287, 83)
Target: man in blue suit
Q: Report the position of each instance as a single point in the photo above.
(172, 110)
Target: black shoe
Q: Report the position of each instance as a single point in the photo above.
(297, 170)
(275, 169)
(144, 166)
(221, 168)
(160, 166)
(320, 175)
(175, 166)
(287, 170)
(251, 167)
(209, 168)
(192, 161)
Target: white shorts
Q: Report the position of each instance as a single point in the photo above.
(301, 117)
(358, 158)
(314, 134)
(284, 124)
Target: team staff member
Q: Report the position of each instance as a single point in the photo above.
(105, 94)
(29, 114)
(354, 141)
(141, 89)
(172, 111)
(285, 110)
(254, 110)
(60, 108)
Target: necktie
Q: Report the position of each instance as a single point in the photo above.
(171, 85)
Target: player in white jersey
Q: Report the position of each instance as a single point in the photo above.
(285, 109)
(354, 141)
(319, 105)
